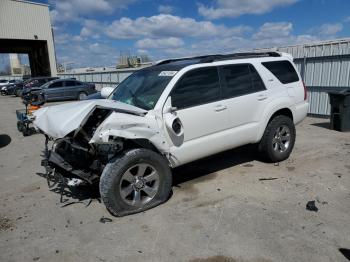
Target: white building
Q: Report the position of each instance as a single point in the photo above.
(25, 27)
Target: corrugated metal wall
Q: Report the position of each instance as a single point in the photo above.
(324, 66)
(101, 79)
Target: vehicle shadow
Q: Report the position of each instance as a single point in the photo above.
(5, 140)
(325, 125)
(209, 165)
(345, 252)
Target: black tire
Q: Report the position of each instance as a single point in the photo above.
(20, 126)
(266, 145)
(111, 179)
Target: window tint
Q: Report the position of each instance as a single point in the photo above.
(240, 80)
(56, 84)
(196, 87)
(42, 81)
(283, 70)
(70, 83)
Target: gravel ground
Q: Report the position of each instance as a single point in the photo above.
(220, 210)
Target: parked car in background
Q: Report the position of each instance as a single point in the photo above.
(32, 82)
(65, 89)
(26, 77)
(3, 82)
(103, 94)
(8, 89)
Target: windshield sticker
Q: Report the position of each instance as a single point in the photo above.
(167, 73)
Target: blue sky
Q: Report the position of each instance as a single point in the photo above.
(94, 32)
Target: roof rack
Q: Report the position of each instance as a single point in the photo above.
(213, 58)
(220, 57)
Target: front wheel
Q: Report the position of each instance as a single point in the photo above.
(135, 181)
(278, 140)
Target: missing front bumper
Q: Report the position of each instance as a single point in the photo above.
(54, 161)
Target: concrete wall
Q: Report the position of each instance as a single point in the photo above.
(27, 21)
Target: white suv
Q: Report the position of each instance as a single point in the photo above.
(169, 114)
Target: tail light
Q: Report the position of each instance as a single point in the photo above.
(305, 92)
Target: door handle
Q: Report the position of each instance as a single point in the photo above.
(262, 97)
(219, 108)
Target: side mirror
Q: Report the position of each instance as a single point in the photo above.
(173, 123)
(106, 91)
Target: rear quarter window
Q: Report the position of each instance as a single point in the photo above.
(283, 70)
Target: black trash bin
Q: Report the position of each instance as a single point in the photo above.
(340, 110)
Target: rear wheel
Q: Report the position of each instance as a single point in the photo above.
(82, 96)
(135, 181)
(278, 140)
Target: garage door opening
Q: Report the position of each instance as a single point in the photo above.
(36, 50)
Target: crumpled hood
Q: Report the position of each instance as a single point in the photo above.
(58, 121)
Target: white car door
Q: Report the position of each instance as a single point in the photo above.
(197, 98)
(246, 98)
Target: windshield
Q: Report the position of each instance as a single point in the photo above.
(3, 81)
(143, 88)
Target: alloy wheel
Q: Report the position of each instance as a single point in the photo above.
(281, 139)
(139, 184)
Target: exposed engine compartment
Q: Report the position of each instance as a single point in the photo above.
(77, 156)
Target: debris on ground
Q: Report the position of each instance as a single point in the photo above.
(105, 220)
(311, 206)
(339, 175)
(276, 164)
(5, 223)
(267, 178)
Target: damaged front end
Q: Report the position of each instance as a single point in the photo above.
(74, 157)
(82, 139)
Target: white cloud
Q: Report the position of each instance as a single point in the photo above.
(235, 8)
(87, 54)
(274, 30)
(165, 9)
(330, 29)
(91, 28)
(72, 10)
(170, 42)
(165, 25)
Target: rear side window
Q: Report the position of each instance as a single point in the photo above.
(283, 70)
(56, 84)
(240, 79)
(197, 87)
(70, 83)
